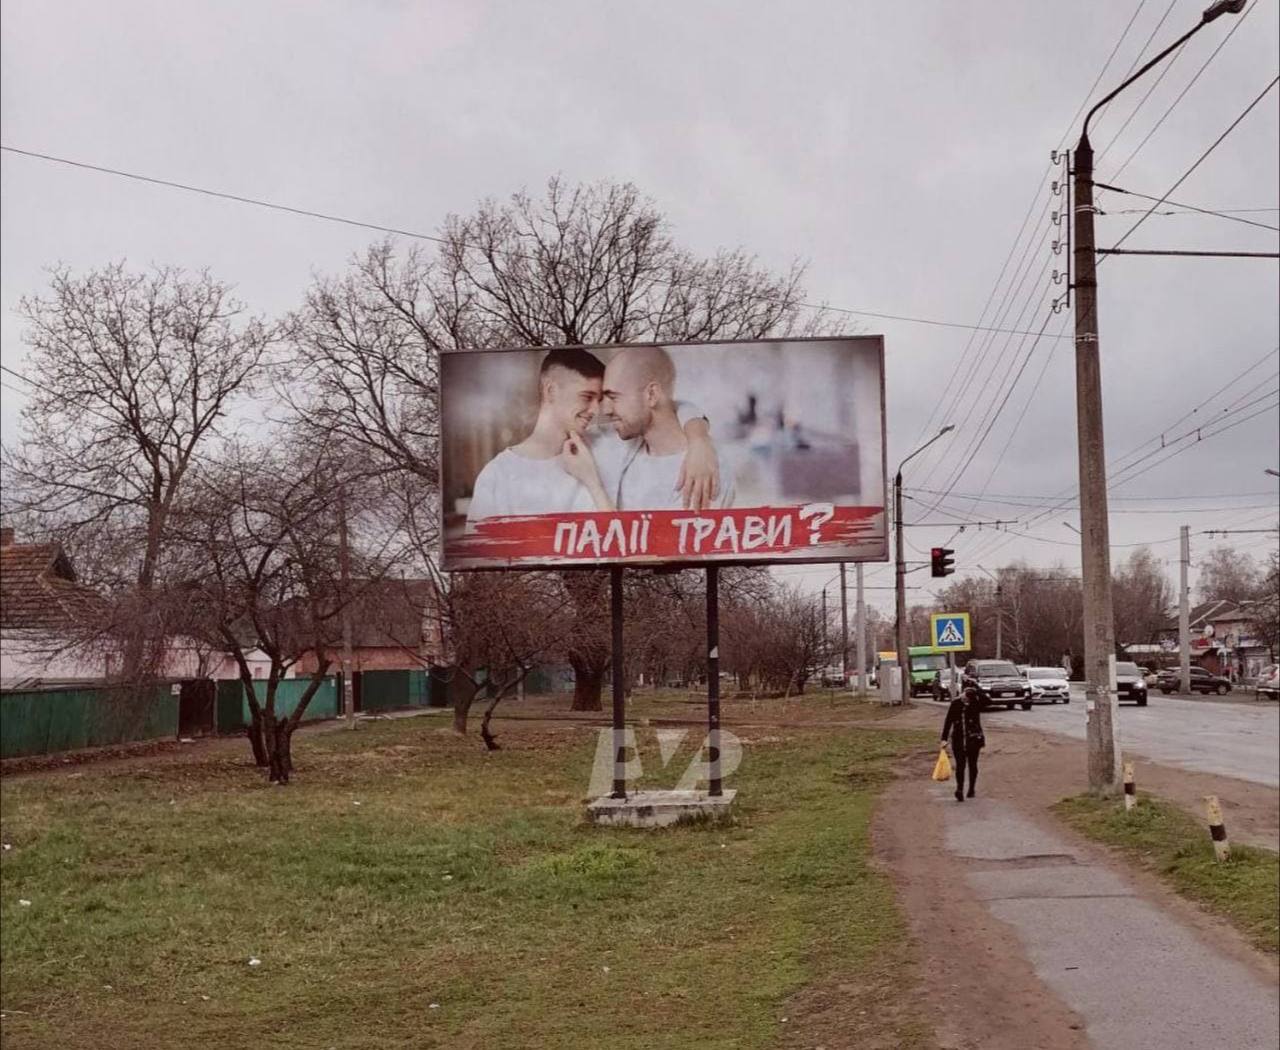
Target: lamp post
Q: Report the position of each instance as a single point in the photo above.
(1095, 553)
(900, 567)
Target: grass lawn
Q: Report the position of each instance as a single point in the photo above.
(409, 890)
(1164, 838)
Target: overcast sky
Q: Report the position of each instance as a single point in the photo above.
(895, 148)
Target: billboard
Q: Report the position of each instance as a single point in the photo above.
(747, 452)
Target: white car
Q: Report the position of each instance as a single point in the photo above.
(1049, 685)
(1269, 683)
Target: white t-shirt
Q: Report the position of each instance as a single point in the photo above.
(649, 483)
(512, 484)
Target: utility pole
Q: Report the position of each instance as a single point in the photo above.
(1095, 537)
(999, 621)
(844, 626)
(860, 621)
(1095, 540)
(900, 599)
(826, 632)
(1184, 612)
(344, 570)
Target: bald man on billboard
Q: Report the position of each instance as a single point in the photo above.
(639, 400)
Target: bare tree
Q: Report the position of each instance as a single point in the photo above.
(256, 564)
(1227, 574)
(131, 375)
(1141, 597)
(584, 264)
(496, 629)
(1266, 605)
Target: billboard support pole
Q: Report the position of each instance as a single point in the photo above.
(844, 626)
(619, 696)
(860, 616)
(713, 677)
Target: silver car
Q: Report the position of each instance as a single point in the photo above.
(1049, 685)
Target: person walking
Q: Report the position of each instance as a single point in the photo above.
(963, 730)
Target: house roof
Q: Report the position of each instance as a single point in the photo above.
(1217, 611)
(391, 613)
(39, 590)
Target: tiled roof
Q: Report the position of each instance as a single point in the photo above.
(38, 589)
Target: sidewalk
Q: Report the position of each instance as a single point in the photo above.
(1030, 936)
(1140, 979)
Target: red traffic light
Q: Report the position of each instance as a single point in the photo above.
(941, 562)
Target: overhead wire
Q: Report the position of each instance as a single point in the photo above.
(960, 360)
(1198, 161)
(417, 235)
(1185, 207)
(1186, 88)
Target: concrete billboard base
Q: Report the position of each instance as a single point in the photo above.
(660, 809)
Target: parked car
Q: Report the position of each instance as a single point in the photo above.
(1049, 685)
(1152, 678)
(1269, 683)
(833, 676)
(999, 681)
(1202, 681)
(1130, 683)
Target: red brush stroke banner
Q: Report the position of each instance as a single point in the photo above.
(813, 532)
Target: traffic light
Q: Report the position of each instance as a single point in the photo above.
(942, 562)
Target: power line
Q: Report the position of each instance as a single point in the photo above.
(1174, 104)
(417, 235)
(1014, 498)
(1199, 160)
(1187, 207)
(961, 358)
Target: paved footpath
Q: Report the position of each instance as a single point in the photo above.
(1138, 977)
(1227, 739)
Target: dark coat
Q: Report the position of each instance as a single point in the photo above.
(964, 726)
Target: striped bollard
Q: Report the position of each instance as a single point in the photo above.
(1130, 789)
(1217, 829)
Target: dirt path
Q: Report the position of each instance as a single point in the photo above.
(967, 956)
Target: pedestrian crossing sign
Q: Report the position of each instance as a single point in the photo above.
(950, 631)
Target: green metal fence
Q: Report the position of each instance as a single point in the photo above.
(388, 690)
(233, 707)
(44, 722)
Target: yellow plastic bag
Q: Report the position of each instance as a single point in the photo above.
(942, 768)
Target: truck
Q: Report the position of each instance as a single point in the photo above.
(926, 662)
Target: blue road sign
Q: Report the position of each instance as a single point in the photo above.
(950, 631)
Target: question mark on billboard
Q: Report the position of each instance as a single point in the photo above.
(817, 514)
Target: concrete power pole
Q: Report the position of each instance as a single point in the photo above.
(999, 622)
(1095, 542)
(860, 625)
(1184, 613)
(844, 626)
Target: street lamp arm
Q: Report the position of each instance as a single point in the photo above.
(940, 434)
(1084, 135)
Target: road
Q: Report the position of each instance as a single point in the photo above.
(1229, 739)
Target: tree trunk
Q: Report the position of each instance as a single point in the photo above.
(280, 764)
(588, 682)
(462, 701)
(254, 731)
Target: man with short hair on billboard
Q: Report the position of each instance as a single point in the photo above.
(558, 468)
(639, 401)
